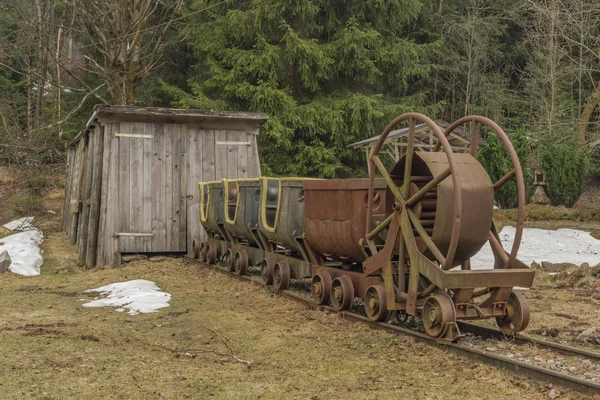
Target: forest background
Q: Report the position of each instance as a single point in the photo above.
(328, 73)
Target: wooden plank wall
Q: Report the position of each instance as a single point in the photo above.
(147, 185)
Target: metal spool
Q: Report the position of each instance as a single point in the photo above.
(442, 216)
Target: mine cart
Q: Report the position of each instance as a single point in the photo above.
(434, 210)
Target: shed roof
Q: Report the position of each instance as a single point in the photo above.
(165, 115)
(400, 133)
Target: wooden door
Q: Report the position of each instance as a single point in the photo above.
(151, 204)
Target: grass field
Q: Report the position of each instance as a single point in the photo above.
(53, 348)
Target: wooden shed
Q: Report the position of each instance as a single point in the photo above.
(133, 173)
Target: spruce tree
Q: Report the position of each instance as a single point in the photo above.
(327, 72)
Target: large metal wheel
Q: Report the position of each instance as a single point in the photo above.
(321, 288)
(241, 262)
(438, 312)
(376, 303)
(266, 272)
(516, 318)
(211, 253)
(229, 260)
(281, 275)
(342, 293)
(196, 247)
(407, 202)
(503, 260)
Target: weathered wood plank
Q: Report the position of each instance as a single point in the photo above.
(220, 155)
(136, 194)
(232, 154)
(85, 200)
(185, 171)
(170, 159)
(69, 176)
(124, 184)
(112, 250)
(159, 193)
(147, 189)
(252, 155)
(195, 175)
(179, 160)
(243, 168)
(106, 156)
(74, 201)
(94, 218)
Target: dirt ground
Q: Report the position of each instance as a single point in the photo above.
(52, 347)
(200, 346)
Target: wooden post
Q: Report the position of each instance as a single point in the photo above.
(94, 218)
(75, 190)
(85, 200)
(68, 185)
(100, 253)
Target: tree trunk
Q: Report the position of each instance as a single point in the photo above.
(587, 112)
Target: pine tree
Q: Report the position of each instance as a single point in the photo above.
(327, 72)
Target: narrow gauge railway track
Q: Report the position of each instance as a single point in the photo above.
(578, 384)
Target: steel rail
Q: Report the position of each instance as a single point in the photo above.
(509, 364)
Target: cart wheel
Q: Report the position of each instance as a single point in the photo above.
(211, 253)
(266, 272)
(342, 293)
(321, 287)
(438, 311)
(229, 260)
(281, 275)
(376, 303)
(517, 315)
(241, 262)
(196, 247)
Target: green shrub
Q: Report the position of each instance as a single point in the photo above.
(36, 183)
(497, 163)
(564, 166)
(26, 206)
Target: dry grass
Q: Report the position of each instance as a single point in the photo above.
(52, 347)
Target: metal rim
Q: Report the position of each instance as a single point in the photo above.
(266, 272)
(376, 303)
(438, 311)
(241, 262)
(321, 287)
(281, 275)
(374, 163)
(342, 293)
(211, 253)
(476, 121)
(516, 318)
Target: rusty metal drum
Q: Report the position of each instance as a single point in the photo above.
(436, 208)
(240, 207)
(211, 206)
(281, 218)
(335, 215)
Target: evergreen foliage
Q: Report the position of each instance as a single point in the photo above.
(328, 73)
(497, 163)
(564, 166)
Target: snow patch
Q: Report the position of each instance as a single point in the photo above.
(23, 247)
(138, 296)
(21, 224)
(555, 246)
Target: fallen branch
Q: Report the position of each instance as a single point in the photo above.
(231, 353)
